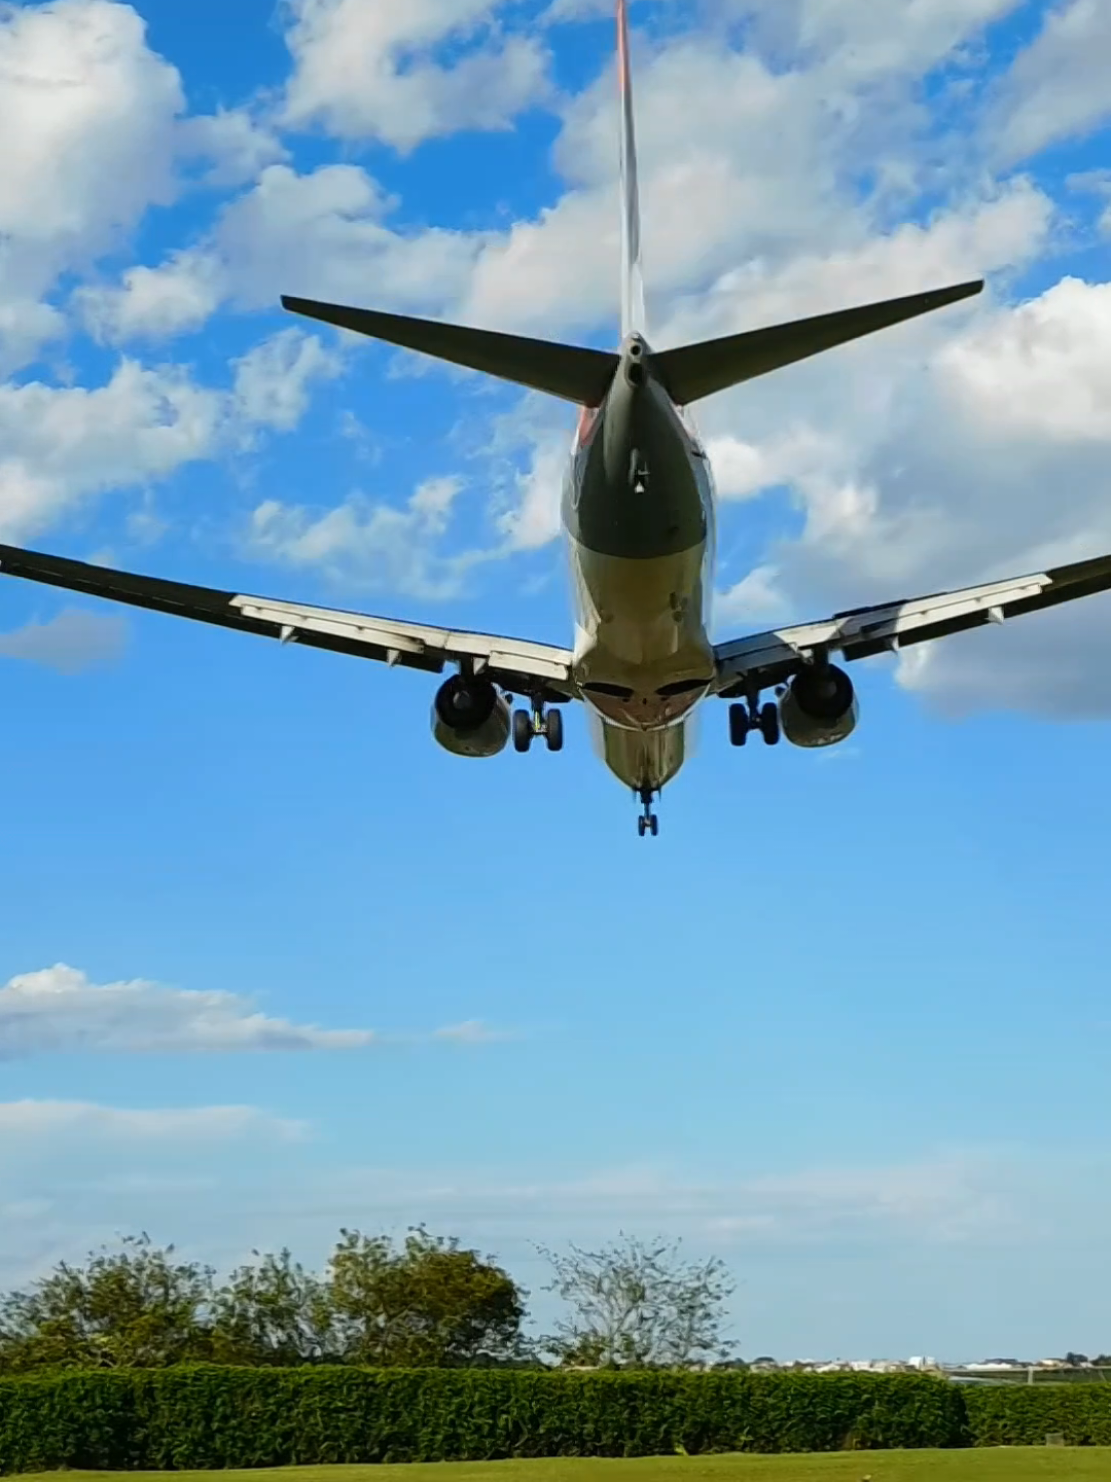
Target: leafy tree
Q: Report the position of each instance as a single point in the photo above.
(431, 1303)
(637, 1305)
(271, 1312)
(135, 1308)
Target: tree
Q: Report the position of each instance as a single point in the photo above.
(135, 1308)
(636, 1305)
(431, 1303)
(272, 1312)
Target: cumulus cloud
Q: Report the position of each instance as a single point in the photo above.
(1057, 86)
(58, 1008)
(273, 381)
(152, 303)
(373, 542)
(370, 71)
(1039, 371)
(62, 445)
(71, 642)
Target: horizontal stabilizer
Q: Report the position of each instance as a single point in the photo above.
(571, 371)
(694, 371)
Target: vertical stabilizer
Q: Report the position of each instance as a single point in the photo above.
(632, 281)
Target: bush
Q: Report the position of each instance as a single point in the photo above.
(202, 1416)
(206, 1416)
(1024, 1414)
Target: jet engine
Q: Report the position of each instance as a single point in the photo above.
(469, 717)
(819, 708)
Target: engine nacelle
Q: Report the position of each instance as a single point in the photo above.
(470, 718)
(819, 708)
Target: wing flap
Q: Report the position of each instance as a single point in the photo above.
(516, 663)
(864, 631)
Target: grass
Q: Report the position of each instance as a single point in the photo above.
(994, 1464)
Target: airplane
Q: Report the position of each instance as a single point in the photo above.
(638, 513)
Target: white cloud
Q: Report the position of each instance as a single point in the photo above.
(373, 543)
(273, 380)
(369, 70)
(87, 115)
(71, 642)
(317, 235)
(85, 1121)
(1057, 87)
(1041, 370)
(153, 303)
(61, 445)
(58, 1009)
(237, 147)
(756, 598)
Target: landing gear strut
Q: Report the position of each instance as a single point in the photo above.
(750, 715)
(537, 722)
(647, 823)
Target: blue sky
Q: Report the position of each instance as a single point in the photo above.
(846, 1022)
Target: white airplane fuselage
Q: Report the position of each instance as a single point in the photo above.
(638, 512)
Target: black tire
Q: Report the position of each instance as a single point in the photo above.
(654, 825)
(738, 725)
(554, 731)
(522, 730)
(642, 825)
(769, 723)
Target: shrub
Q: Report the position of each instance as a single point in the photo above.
(1024, 1414)
(206, 1417)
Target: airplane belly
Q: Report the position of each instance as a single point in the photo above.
(642, 758)
(642, 657)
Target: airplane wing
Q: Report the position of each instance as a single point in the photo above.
(771, 658)
(514, 663)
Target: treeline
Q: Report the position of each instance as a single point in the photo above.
(426, 1302)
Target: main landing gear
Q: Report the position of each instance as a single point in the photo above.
(537, 722)
(750, 715)
(647, 823)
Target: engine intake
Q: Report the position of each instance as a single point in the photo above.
(470, 718)
(819, 708)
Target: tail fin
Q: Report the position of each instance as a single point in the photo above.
(632, 280)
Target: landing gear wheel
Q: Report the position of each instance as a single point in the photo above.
(647, 823)
(553, 730)
(522, 730)
(769, 723)
(738, 725)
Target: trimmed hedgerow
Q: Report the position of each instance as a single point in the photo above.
(1024, 1414)
(208, 1417)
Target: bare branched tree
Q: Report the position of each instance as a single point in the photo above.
(635, 1304)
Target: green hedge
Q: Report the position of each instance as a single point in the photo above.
(209, 1417)
(1024, 1414)
(217, 1417)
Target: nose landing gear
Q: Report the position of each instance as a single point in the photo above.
(647, 823)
